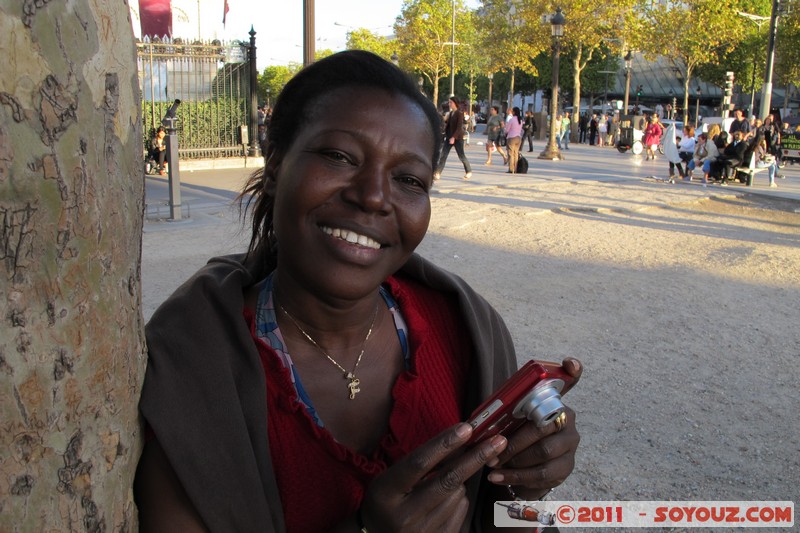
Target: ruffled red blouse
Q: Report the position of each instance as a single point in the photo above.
(322, 482)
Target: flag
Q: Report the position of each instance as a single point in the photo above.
(225, 10)
(156, 17)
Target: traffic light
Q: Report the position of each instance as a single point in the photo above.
(729, 84)
(638, 90)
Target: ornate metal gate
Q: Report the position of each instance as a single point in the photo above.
(211, 80)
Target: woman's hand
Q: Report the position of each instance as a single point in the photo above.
(538, 459)
(425, 490)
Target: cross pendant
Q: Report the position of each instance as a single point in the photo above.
(353, 385)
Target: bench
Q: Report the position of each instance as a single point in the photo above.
(750, 170)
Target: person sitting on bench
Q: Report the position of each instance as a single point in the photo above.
(158, 150)
(732, 156)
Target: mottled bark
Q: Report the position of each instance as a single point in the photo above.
(71, 201)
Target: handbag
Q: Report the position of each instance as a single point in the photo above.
(502, 138)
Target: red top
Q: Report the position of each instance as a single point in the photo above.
(322, 482)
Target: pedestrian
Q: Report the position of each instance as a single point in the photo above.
(259, 417)
(566, 130)
(602, 129)
(528, 129)
(494, 129)
(592, 129)
(454, 137)
(652, 136)
(513, 130)
(583, 128)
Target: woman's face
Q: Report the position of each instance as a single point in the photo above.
(352, 192)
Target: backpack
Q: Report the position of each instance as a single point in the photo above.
(522, 165)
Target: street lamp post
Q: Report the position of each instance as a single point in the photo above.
(453, 53)
(557, 22)
(628, 68)
(697, 108)
(491, 77)
(766, 91)
(254, 150)
(606, 72)
(269, 91)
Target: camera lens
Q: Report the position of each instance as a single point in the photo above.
(543, 404)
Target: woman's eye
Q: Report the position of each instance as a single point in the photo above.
(334, 155)
(411, 180)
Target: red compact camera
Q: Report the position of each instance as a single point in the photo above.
(532, 393)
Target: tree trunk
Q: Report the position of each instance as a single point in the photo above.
(71, 203)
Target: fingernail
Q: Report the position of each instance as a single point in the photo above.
(498, 443)
(496, 477)
(463, 430)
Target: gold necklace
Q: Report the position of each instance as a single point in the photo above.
(354, 382)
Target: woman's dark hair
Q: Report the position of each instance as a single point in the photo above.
(516, 112)
(295, 106)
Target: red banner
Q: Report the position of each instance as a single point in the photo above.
(156, 17)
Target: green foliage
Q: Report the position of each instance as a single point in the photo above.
(422, 29)
(274, 78)
(201, 124)
(364, 39)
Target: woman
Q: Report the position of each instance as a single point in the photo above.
(713, 133)
(513, 130)
(711, 154)
(602, 130)
(493, 128)
(764, 159)
(652, 136)
(158, 150)
(686, 148)
(316, 383)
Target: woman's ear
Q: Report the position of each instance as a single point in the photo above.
(271, 169)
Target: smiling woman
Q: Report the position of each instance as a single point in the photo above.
(317, 382)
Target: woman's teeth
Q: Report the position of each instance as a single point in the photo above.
(352, 237)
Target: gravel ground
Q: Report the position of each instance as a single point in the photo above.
(682, 305)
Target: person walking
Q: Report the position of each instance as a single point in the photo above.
(652, 136)
(602, 130)
(528, 129)
(583, 126)
(454, 137)
(592, 129)
(513, 139)
(566, 130)
(494, 126)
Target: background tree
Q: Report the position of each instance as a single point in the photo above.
(787, 68)
(274, 78)
(721, 32)
(363, 39)
(421, 30)
(513, 37)
(591, 28)
(471, 61)
(71, 203)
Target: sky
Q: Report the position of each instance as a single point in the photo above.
(279, 23)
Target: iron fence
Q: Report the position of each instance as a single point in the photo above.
(212, 81)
